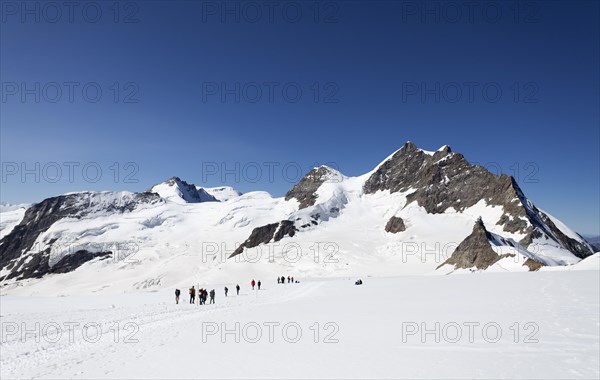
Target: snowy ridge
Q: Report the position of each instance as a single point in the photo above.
(221, 193)
(179, 233)
(178, 191)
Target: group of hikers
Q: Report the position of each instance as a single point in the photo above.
(203, 293)
(281, 280)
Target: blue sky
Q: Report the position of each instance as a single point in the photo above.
(256, 94)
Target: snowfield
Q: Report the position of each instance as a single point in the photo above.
(487, 325)
(87, 281)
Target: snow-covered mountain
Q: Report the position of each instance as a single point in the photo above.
(179, 191)
(221, 193)
(417, 212)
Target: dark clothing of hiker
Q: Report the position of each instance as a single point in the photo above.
(177, 293)
(358, 282)
(192, 295)
(237, 288)
(212, 296)
(282, 280)
(258, 284)
(226, 290)
(278, 280)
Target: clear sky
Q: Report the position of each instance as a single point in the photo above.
(248, 94)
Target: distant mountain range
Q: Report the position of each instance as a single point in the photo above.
(416, 212)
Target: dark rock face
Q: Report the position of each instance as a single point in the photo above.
(264, 235)
(475, 250)
(395, 225)
(442, 180)
(286, 228)
(533, 265)
(305, 190)
(39, 217)
(445, 179)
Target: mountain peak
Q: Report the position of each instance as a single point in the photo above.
(445, 149)
(409, 145)
(475, 250)
(179, 191)
(305, 190)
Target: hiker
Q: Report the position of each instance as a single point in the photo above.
(258, 284)
(212, 296)
(192, 295)
(278, 280)
(288, 279)
(237, 288)
(177, 293)
(204, 296)
(292, 280)
(358, 282)
(282, 280)
(226, 290)
(253, 283)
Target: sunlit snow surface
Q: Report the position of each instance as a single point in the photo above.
(524, 325)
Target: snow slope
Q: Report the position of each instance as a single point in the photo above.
(10, 216)
(221, 193)
(541, 325)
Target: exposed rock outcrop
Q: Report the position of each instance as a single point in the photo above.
(395, 225)
(15, 247)
(444, 179)
(305, 190)
(264, 234)
(475, 250)
(532, 264)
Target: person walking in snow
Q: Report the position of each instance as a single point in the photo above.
(212, 296)
(258, 284)
(253, 283)
(226, 290)
(204, 296)
(292, 280)
(288, 279)
(192, 295)
(177, 293)
(282, 280)
(278, 280)
(237, 288)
